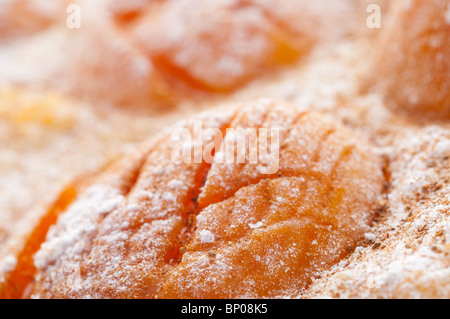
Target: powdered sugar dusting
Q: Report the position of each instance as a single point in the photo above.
(257, 225)
(7, 264)
(404, 254)
(206, 236)
(447, 15)
(84, 213)
(407, 255)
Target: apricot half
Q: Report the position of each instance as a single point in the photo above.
(155, 227)
(413, 64)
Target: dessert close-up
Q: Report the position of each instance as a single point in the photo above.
(229, 149)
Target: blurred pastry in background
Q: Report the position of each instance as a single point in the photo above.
(20, 18)
(157, 53)
(413, 64)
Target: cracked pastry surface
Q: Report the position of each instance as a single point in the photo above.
(405, 254)
(149, 227)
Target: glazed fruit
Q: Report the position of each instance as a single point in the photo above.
(413, 66)
(154, 227)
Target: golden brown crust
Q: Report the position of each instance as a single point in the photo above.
(413, 64)
(154, 240)
(189, 224)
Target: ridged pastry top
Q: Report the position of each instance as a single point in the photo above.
(152, 227)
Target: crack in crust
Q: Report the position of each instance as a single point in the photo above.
(139, 231)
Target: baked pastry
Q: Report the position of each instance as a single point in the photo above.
(152, 227)
(413, 66)
(166, 53)
(24, 17)
(249, 38)
(176, 232)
